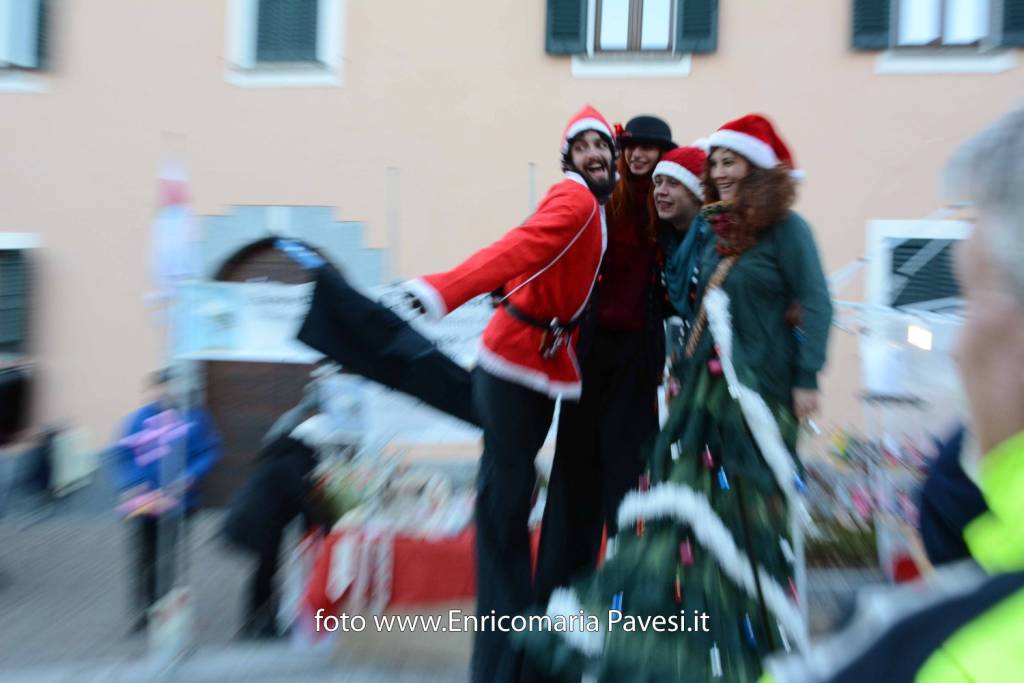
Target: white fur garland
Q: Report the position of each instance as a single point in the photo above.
(682, 504)
(756, 412)
(563, 602)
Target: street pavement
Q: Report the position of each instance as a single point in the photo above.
(64, 610)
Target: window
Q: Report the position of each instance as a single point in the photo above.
(633, 25)
(637, 27)
(285, 42)
(934, 23)
(286, 31)
(23, 34)
(915, 24)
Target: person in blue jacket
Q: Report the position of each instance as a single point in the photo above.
(145, 463)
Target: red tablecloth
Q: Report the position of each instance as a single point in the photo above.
(424, 572)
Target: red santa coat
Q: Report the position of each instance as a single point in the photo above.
(548, 266)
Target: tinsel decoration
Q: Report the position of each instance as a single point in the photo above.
(783, 638)
(787, 550)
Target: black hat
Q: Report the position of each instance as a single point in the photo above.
(646, 130)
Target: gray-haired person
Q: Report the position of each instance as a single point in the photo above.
(968, 625)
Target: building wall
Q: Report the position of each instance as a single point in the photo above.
(428, 143)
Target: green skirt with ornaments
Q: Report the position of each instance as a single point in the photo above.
(700, 584)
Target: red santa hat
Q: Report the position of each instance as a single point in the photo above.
(755, 138)
(585, 119)
(685, 164)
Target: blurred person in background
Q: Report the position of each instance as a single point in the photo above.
(279, 490)
(140, 478)
(15, 378)
(598, 452)
(967, 624)
(949, 499)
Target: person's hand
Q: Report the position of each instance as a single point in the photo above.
(413, 302)
(805, 403)
(133, 491)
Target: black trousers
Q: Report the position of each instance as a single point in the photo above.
(515, 421)
(599, 456)
(155, 542)
(262, 606)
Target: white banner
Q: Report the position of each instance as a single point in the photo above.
(254, 321)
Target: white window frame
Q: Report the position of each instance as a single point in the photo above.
(985, 57)
(17, 47)
(18, 241)
(244, 71)
(654, 64)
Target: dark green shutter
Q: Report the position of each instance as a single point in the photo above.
(871, 24)
(1013, 23)
(13, 301)
(696, 26)
(567, 27)
(43, 35)
(286, 31)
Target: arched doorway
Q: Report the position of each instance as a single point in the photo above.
(246, 398)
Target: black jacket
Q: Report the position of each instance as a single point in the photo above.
(278, 491)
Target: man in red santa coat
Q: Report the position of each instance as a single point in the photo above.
(542, 272)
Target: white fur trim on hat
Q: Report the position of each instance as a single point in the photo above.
(585, 124)
(757, 151)
(701, 143)
(682, 174)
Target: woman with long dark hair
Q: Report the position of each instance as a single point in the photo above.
(705, 587)
(598, 453)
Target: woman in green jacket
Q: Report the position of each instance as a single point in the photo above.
(705, 586)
